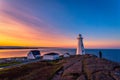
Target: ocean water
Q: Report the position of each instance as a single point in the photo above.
(111, 54)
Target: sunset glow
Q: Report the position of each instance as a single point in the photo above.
(32, 26)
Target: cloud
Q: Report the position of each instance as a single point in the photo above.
(21, 27)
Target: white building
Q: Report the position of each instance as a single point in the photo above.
(51, 56)
(80, 46)
(34, 54)
(66, 55)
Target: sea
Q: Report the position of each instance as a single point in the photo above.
(110, 54)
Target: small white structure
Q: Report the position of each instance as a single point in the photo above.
(66, 55)
(34, 54)
(51, 56)
(80, 46)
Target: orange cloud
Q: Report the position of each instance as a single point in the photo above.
(15, 32)
(19, 27)
(102, 44)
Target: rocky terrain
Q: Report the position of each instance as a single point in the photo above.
(85, 67)
(88, 67)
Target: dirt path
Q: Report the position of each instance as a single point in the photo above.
(59, 74)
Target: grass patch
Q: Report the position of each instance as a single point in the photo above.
(8, 64)
(31, 71)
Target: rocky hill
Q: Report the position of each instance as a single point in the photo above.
(85, 67)
(88, 67)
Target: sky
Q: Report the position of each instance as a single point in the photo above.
(57, 23)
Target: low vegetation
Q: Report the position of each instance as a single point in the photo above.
(31, 71)
(8, 63)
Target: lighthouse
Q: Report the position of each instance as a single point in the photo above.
(80, 46)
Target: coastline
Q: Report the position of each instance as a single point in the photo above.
(111, 54)
(85, 67)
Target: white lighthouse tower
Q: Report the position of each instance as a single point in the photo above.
(80, 46)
